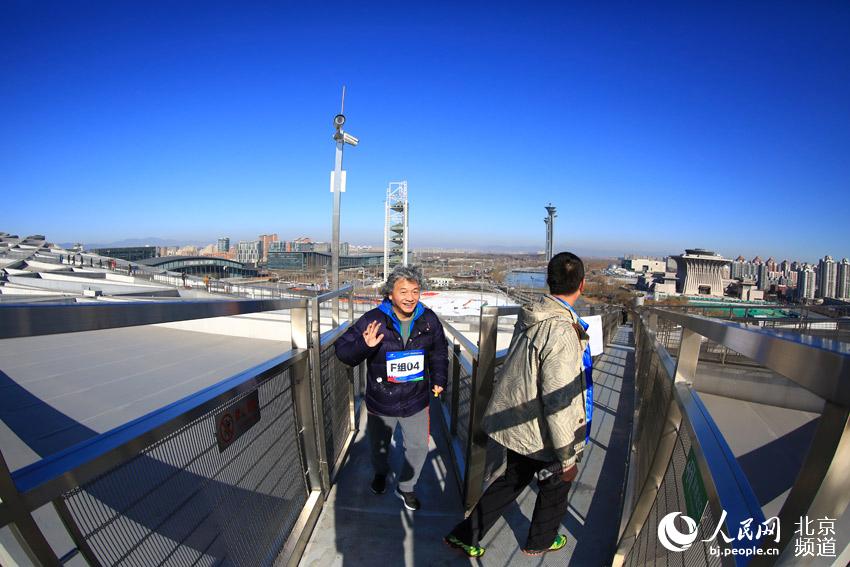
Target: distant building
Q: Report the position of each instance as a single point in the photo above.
(325, 248)
(201, 266)
(187, 251)
(741, 269)
(223, 244)
(842, 289)
(792, 278)
(700, 272)
(806, 281)
(208, 250)
(302, 244)
(312, 261)
(645, 265)
(267, 240)
(249, 251)
(129, 253)
(441, 282)
(745, 290)
(764, 276)
(663, 283)
(827, 277)
(770, 263)
(229, 255)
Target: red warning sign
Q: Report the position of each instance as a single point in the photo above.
(236, 419)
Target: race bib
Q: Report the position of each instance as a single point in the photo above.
(406, 366)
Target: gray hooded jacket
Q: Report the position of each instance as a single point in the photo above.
(537, 407)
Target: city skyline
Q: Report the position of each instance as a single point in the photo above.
(653, 128)
(156, 241)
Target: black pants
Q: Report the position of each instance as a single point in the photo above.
(549, 509)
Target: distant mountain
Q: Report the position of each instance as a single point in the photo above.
(149, 241)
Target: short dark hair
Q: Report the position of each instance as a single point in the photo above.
(564, 273)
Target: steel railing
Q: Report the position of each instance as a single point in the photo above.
(190, 483)
(675, 440)
(164, 488)
(473, 367)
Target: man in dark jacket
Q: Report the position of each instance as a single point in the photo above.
(406, 350)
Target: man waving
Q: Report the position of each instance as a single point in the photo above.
(407, 354)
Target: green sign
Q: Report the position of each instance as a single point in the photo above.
(695, 498)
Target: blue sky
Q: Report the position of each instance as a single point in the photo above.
(651, 127)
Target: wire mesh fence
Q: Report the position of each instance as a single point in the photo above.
(183, 501)
(336, 382)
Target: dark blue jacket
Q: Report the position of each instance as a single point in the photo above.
(426, 333)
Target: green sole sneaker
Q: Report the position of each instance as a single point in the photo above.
(559, 543)
(468, 550)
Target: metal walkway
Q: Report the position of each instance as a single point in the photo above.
(357, 527)
(267, 466)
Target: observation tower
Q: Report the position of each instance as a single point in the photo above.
(395, 226)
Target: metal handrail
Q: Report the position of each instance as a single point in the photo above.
(42, 319)
(45, 480)
(53, 477)
(461, 339)
(818, 364)
(333, 294)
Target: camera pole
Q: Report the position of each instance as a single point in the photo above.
(341, 138)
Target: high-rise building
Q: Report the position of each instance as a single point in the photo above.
(785, 268)
(267, 240)
(223, 244)
(736, 268)
(806, 282)
(742, 269)
(827, 277)
(771, 264)
(842, 289)
(249, 251)
(763, 277)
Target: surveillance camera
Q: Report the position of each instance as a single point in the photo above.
(339, 120)
(349, 139)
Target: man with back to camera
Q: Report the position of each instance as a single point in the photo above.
(406, 349)
(540, 411)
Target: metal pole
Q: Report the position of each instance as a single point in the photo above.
(318, 398)
(335, 235)
(23, 526)
(484, 370)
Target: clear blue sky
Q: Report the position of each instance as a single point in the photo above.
(651, 127)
